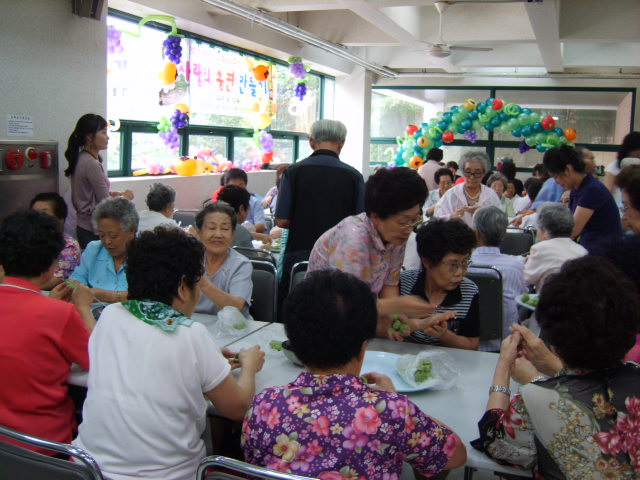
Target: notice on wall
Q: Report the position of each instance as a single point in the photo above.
(19, 125)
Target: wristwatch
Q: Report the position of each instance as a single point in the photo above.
(499, 388)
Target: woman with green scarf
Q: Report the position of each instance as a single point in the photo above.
(153, 368)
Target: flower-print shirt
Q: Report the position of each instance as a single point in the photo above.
(334, 427)
(354, 246)
(69, 258)
(574, 426)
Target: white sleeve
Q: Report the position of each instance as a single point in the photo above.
(446, 205)
(212, 367)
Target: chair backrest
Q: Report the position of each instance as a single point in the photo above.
(185, 218)
(489, 282)
(256, 254)
(24, 464)
(298, 271)
(264, 301)
(222, 468)
(517, 242)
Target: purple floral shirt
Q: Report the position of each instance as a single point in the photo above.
(69, 258)
(335, 427)
(354, 246)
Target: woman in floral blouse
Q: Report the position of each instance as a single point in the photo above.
(583, 421)
(330, 423)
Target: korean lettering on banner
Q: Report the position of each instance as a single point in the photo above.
(220, 83)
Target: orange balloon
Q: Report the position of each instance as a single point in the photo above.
(416, 161)
(261, 72)
(186, 168)
(168, 74)
(423, 142)
(570, 134)
(267, 157)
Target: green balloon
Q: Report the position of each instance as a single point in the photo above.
(563, 140)
(406, 156)
(540, 138)
(504, 128)
(456, 118)
(530, 141)
(513, 124)
(463, 112)
(425, 131)
(433, 122)
(476, 125)
(453, 128)
(490, 113)
(535, 117)
(524, 120)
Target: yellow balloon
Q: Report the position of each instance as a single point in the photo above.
(260, 121)
(168, 74)
(183, 108)
(186, 168)
(201, 166)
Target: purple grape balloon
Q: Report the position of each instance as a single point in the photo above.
(171, 139)
(523, 147)
(471, 135)
(114, 46)
(297, 69)
(301, 90)
(179, 119)
(171, 49)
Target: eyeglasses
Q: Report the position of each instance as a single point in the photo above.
(469, 174)
(453, 267)
(415, 222)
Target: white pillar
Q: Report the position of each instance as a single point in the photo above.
(353, 108)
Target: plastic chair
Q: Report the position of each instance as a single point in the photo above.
(517, 241)
(264, 301)
(489, 282)
(185, 218)
(223, 468)
(298, 271)
(256, 254)
(21, 463)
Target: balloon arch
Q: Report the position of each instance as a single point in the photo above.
(537, 131)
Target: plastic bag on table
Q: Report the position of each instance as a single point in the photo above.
(232, 321)
(443, 374)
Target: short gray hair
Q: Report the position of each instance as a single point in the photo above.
(555, 220)
(328, 131)
(491, 223)
(118, 209)
(160, 196)
(498, 177)
(478, 156)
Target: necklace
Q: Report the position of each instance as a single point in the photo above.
(471, 198)
(20, 288)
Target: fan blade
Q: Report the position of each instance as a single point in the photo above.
(470, 49)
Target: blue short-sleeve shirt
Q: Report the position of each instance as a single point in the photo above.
(97, 270)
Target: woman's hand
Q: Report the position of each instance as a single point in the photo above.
(422, 324)
(232, 357)
(62, 291)
(509, 349)
(81, 296)
(378, 381)
(251, 358)
(523, 371)
(414, 306)
(537, 352)
(459, 212)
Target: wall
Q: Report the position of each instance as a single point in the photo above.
(53, 68)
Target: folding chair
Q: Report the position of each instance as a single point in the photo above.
(185, 218)
(223, 468)
(256, 254)
(489, 282)
(517, 241)
(264, 300)
(21, 463)
(298, 271)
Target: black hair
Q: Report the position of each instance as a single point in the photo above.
(391, 191)
(629, 180)
(232, 174)
(235, 196)
(439, 237)
(88, 124)
(29, 243)
(442, 171)
(533, 186)
(623, 251)
(164, 253)
(213, 207)
(508, 169)
(60, 209)
(452, 164)
(629, 143)
(589, 313)
(557, 159)
(435, 154)
(540, 169)
(327, 318)
(160, 196)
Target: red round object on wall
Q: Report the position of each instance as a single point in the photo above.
(31, 154)
(46, 160)
(14, 159)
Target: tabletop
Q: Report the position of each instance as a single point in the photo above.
(459, 407)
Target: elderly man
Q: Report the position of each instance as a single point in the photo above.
(161, 201)
(316, 193)
(490, 224)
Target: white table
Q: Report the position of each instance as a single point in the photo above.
(460, 407)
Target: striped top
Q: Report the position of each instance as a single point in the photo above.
(463, 300)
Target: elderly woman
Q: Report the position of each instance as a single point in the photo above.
(41, 336)
(444, 181)
(554, 247)
(445, 247)
(576, 414)
(371, 245)
(628, 181)
(153, 368)
(161, 201)
(227, 278)
(102, 266)
(329, 423)
(490, 224)
(594, 210)
(463, 200)
(499, 184)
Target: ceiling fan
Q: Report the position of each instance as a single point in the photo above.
(441, 49)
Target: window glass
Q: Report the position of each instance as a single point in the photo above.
(532, 157)
(113, 152)
(245, 149)
(293, 114)
(304, 149)
(148, 149)
(329, 97)
(208, 144)
(283, 150)
(380, 153)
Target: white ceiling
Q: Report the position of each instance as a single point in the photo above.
(549, 36)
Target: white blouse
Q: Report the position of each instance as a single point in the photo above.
(454, 198)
